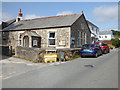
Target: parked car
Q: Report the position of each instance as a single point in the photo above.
(104, 47)
(90, 50)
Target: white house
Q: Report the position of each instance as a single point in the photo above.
(105, 35)
(94, 31)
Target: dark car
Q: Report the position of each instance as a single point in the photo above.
(104, 47)
(90, 50)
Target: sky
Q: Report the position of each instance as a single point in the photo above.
(102, 14)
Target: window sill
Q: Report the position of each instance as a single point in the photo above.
(52, 45)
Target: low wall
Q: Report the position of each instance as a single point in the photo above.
(37, 54)
(29, 53)
(108, 41)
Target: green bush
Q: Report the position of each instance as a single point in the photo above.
(115, 42)
(111, 46)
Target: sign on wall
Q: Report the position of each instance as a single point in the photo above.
(62, 42)
(35, 42)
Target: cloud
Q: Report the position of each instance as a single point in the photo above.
(31, 16)
(105, 14)
(64, 13)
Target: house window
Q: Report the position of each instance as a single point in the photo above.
(81, 39)
(105, 36)
(20, 34)
(92, 28)
(96, 31)
(84, 38)
(51, 38)
(78, 39)
(99, 36)
(82, 25)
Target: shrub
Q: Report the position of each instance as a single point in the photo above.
(111, 47)
(115, 42)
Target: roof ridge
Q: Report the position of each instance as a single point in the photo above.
(50, 17)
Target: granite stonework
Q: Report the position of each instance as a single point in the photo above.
(65, 36)
(60, 34)
(76, 30)
(37, 54)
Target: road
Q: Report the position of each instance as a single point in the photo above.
(101, 72)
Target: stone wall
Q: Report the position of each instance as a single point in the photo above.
(12, 37)
(29, 53)
(37, 54)
(77, 29)
(60, 34)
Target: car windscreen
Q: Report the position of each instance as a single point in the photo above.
(101, 44)
(87, 46)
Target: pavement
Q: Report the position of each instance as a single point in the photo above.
(101, 72)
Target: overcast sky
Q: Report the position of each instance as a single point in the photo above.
(102, 14)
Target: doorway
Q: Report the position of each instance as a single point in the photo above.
(26, 41)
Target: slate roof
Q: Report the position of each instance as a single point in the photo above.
(105, 32)
(46, 22)
(91, 23)
(33, 34)
(7, 23)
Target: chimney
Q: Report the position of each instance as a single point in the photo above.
(20, 16)
(82, 12)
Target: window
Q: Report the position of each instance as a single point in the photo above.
(96, 31)
(81, 39)
(92, 28)
(51, 38)
(20, 34)
(78, 38)
(105, 36)
(84, 38)
(99, 36)
(82, 25)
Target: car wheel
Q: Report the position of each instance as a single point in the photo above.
(105, 51)
(101, 53)
(96, 55)
(82, 56)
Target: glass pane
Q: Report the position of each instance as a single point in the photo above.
(52, 35)
(51, 41)
(87, 46)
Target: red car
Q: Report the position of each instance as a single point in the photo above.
(104, 47)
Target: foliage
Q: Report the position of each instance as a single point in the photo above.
(111, 46)
(116, 42)
(116, 33)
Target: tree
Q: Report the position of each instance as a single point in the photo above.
(116, 42)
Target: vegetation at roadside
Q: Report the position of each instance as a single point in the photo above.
(116, 42)
(69, 59)
(111, 46)
(116, 33)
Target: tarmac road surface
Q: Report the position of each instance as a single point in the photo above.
(101, 72)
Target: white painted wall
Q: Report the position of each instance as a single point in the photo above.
(105, 37)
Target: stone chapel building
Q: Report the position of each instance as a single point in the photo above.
(64, 31)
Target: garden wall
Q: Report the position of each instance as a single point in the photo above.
(37, 54)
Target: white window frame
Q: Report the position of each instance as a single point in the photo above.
(78, 38)
(81, 38)
(84, 38)
(51, 39)
(20, 41)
